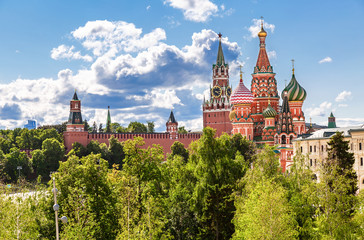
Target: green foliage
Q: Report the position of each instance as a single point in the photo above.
(139, 182)
(178, 148)
(137, 127)
(53, 152)
(114, 126)
(216, 172)
(79, 150)
(265, 214)
(116, 152)
(150, 127)
(182, 130)
(21, 215)
(86, 198)
(14, 159)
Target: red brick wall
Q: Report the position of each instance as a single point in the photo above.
(163, 139)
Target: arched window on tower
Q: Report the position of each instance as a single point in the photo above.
(283, 139)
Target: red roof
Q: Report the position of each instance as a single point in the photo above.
(241, 94)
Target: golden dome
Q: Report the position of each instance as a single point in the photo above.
(232, 115)
(262, 33)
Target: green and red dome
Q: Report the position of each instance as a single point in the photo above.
(294, 91)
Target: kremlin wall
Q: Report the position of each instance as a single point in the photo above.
(255, 113)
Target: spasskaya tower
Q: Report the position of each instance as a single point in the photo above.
(217, 108)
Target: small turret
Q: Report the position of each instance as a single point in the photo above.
(172, 126)
(332, 122)
(75, 123)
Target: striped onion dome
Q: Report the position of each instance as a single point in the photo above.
(294, 91)
(241, 94)
(269, 112)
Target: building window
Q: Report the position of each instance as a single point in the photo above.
(301, 149)
(315, 162)
(314, 148)
(359, 146)
(310, 162)
(310, 148)
(361, 161)
(322, 148)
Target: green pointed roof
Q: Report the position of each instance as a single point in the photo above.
(108, 115)
(220, 60)
(75, 96)
(331, 115)
(294, 90)
(269, 112)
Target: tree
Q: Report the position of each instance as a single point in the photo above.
(116, 152)
(78, 149)
(216, 173)
(150, 127)
(137, 127)
(86, 198)
(178, 148)
(101, 130)
(265, 214)
(114, 126)
(87, 126)
(142, 212)
(14, 159)
(342, 160)
(121, 129)
(53, 152)
(182, 130)
(94, 127)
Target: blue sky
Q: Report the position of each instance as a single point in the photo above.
(145, 57)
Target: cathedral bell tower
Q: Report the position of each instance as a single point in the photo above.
(263, 87)
(217, 108)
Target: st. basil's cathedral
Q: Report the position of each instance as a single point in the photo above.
(255, 114)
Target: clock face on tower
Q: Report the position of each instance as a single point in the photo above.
(228, 91)
(216, 91)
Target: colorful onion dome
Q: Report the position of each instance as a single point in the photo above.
(294, 90)
(269, 112)
(241, 95)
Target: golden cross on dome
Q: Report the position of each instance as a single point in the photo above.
(292, 66)
(285, 82)
(241, 73)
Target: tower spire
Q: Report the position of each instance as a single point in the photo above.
(263, 64)
(108, 121)
(220, 55)
(292, 66)
(241, 74)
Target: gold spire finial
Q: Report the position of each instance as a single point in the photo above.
(310, 122)
(241, 74)
(262, 33)
(292, 66)
(285, 82)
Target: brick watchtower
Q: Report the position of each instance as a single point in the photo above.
(216, 110)
(75, 129)
(263, 87)
(172, 126)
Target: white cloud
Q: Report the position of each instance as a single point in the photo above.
(193, 124)
(325, 60)
(343, 105)
(148, 7)
(136, 73)
(194, 10)
(343, 96)
(272, 54)
(319, 111)
(346, 122)
(67, 52)
(254, 29)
